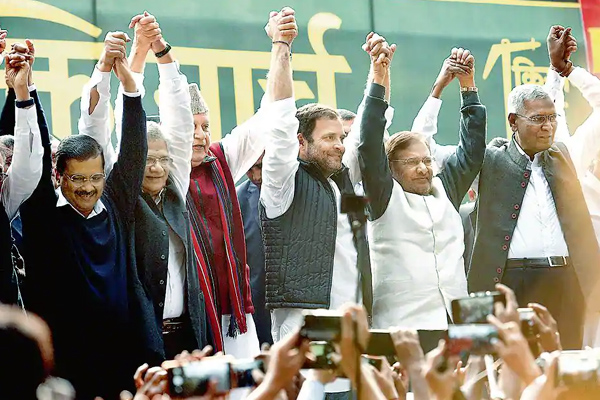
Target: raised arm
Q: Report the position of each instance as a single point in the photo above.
(125, 181)
(350, 159)
(377, 178)
(463, 166)
(280, 161)
(26, 169)
(244, 145)
(94, 120)
(426, 122)
(554, 87)
(585, 143)
(176, 116)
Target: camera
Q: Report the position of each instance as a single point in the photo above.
(321, 325)
(192, 379)
(577, 368)
(322, 352)
(463, 340)
(475, 308)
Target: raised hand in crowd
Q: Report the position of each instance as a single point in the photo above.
(115, 47)
(282, 26)
(286, 358)
(561, 44)
(411, 357)
(509, 312)
(385, 379)
(513, 348)
(547, 328)
(443, 380)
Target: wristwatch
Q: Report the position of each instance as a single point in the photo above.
(163, 51)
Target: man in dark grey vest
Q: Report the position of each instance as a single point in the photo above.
(534, 231)
(163, 245)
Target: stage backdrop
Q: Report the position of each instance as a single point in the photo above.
(222, 46)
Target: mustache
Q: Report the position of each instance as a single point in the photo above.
(85, 193)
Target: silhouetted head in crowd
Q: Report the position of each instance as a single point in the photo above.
(7, 144)
(321, 135)
(26, 353)
(80, 166)
(410, 162)
(347, 118)
(255, 172)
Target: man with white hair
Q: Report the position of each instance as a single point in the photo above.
(174, 315)
(534, 231)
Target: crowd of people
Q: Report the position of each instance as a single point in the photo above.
(139, 270)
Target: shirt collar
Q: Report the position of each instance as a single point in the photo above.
(62, 201)
(536, 157)
(160, 196)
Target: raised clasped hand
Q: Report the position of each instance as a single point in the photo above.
(282, 25)
(561, 44)
(147, 32)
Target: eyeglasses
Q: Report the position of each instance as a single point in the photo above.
(415, 161)
(540, 119)
(163, 161)
(79, 180)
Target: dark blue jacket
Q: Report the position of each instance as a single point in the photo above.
(248, 195)
(81, 272)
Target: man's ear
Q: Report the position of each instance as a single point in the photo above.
(301, 139)
(512, 120)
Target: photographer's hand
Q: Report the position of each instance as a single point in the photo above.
(514, 350)
(285, 362)
(508, 313)
(441, 384)
(547, 327)
(411, 357)
(385, 379)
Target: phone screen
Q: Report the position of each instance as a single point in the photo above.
(471, 339)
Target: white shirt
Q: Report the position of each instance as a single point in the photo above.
(26, 169)
(538, 232)
(178, 127)
(280, 165)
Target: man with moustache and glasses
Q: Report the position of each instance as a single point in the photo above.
(80, 261)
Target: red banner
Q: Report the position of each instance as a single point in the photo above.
(590, 13)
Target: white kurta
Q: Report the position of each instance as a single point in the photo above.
(417, 250)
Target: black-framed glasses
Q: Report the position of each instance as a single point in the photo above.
(79, 180)
(163, 161)
(415, 161)
(540, 119)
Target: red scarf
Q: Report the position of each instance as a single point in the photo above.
(235, 249)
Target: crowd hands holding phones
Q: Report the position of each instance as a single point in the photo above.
(499, 351)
